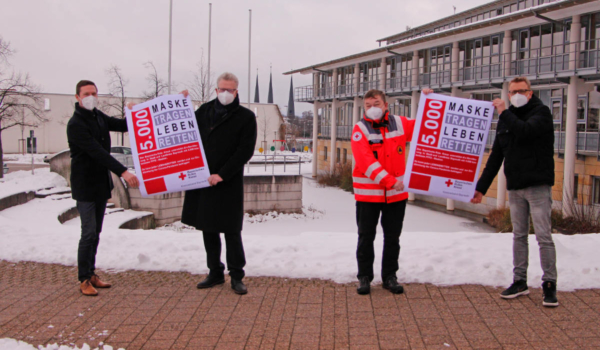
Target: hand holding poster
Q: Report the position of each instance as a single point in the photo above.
(447, 146)
(166, 146)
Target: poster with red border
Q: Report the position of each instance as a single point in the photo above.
(447, 146)
(166, 146)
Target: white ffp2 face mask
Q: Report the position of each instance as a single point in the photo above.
(374, 113)
(89, 102)
(225, 97)
(518, 100)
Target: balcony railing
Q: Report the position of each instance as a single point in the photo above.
(542, 63)
(587, 141)
(343, 131)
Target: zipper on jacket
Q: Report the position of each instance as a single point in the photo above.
(383, 130)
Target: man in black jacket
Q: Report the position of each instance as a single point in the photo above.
(91, 182)
(228, 133)
(525, 142)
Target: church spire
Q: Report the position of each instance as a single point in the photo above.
(270, 97)
(256, 97)
(291, 110)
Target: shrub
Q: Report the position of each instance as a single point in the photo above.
(340, 176)
(578, 223)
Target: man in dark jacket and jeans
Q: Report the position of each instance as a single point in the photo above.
(525, 142)
(91, 183)
(228, 133)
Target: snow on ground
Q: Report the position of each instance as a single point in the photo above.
(321, 243)
(24, 158)
(20, 181)
(12, 344)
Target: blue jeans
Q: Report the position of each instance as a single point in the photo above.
(92, 216)
(537, 202)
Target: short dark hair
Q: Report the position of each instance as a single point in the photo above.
(521, 80)
(374, 93)
(83, 83)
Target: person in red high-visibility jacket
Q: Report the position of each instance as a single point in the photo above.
(378, 146)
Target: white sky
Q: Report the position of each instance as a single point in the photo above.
(60, 42)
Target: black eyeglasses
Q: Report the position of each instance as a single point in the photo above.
(231, 91)
(522, 92)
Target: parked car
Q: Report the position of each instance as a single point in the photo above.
(123, 155)
(5, 168)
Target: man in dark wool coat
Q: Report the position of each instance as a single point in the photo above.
(91, 183)
(228, 133)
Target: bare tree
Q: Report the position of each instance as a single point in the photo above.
(157, 85)
(201, 88)
(115, 105)
(20, 102)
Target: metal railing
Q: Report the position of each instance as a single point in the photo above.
(344, 132)
(283, 162)
(586, 141)
(546, 62)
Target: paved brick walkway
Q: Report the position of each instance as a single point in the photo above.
(41, 304)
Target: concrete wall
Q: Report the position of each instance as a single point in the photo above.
(262, 194)
(281, 193)
(60, 163)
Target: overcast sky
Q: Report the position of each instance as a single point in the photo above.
(60, 42)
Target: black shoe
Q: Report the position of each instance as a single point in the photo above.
(549, 289)
(364, 287)
(391, 284)
(516, 289)
(238, 287)
(211, 281)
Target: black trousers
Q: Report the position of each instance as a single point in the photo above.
(236, 259)
(92, 216)
(367, 217)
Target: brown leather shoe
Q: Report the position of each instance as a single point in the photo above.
(95, 280)
(87, 289)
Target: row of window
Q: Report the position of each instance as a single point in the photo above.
(506, 9)
(343, 152)
(536, 49)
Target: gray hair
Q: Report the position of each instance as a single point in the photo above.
(229, 77)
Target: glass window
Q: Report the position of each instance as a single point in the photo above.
(486, 15)
(575, 185)
(581, 108)
(480, 17)
(337, 155)
(345, 159)
(325, 156)
(596, 190)
(506, 9)
(535, 41)
(513, 8)
(468, 20)
(593, 110)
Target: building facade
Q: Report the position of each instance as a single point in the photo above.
(51, 135)
(474, 54)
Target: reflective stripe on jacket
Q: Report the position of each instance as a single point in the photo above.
(378, 149)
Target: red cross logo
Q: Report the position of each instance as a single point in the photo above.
(448, 183)
(182, 176)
